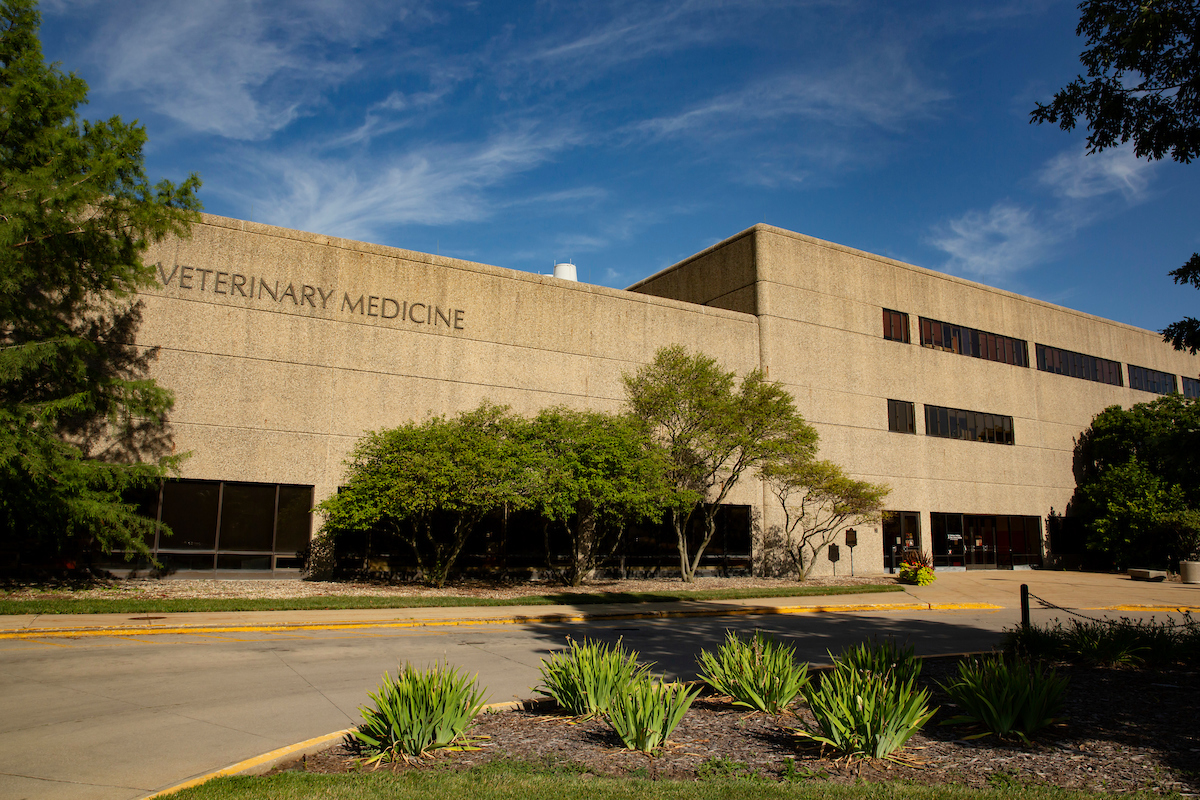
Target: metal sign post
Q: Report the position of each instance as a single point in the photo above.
(835, 554)
(851, 542)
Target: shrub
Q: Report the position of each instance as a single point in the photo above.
(864, 713)
(760, 674)
(585, 678)
(648, 711)
(1124, 642)
(1006, 696)
(418, 712)
(882, 658)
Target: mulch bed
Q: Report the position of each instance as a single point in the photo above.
(1123, 730)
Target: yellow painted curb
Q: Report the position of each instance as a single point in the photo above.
(1166, 609)
(264, 762)
(516, 619)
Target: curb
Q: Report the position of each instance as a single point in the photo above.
(515, 619)
(262, 764)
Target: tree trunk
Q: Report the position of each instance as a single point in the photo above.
(685, 574)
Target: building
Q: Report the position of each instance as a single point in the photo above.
(283, 347)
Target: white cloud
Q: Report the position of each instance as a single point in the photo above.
(994, 244)
(361, 197)
(1009, 238)
(881, 90)
(236, 68)
(1077, 175)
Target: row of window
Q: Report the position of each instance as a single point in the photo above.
(952, 423)
(1005, 349)
(1151, 380)
(1077, 365)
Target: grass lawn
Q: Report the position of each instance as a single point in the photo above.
(523, 782)
(120, 605)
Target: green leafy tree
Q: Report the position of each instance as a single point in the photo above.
(591, 473)
(430, 484)
(1142, 85)
(80, 422)
(712, 431)
(1137, 474)
(819, 501)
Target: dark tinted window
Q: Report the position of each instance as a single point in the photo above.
(895, 325)
(1078, 365)
(247, 516)
(900, 417)
(1151, 380)
(958, 423)
(1191, 387)
(190, 509)
(972, 342)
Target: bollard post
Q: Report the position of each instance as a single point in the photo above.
(1024, 607)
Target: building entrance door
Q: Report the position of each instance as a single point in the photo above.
(901, 532)
(979, 538)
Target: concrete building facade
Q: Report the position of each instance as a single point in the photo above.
(282, 348)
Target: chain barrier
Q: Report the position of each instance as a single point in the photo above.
(1168, 622)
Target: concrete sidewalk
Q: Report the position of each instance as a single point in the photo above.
(976, 589)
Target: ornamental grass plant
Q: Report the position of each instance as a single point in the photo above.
(882, 657)
(648, 711)
(418, 711)
(760, 673)
(863, 713)
(1006, 696)
(586, 677)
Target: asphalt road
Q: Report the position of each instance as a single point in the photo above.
(123, 716)
(120, 713)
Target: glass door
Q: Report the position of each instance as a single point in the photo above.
(980, 539)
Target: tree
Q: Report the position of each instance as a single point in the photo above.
(710, 434)
(1137, 474)
(591, 474)
(819, 501)
(1143, 84)
(80, 422)
(430, 484)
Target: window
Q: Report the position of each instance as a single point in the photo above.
(1151, 380)
(895, 326)
(229, 525)
(1077, 365)
(974, 426)
(901, 418)
(971, 342)
(1191, 387)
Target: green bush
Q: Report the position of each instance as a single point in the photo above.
(646, 713)
(586, 677)
(1122, 643)
(864, 713)
(885, 657)
(418, 712)
(760, 674)
(1006, 696)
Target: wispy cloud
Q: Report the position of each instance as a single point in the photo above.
(994, 244)
(360, 197)
(235, 68)
(1078, 176)
(881, 90)
(1009, 238)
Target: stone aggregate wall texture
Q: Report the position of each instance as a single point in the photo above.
(283, 347)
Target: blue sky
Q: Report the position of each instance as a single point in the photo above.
(628, 135)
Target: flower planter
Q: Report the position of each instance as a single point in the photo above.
(1189, 571)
